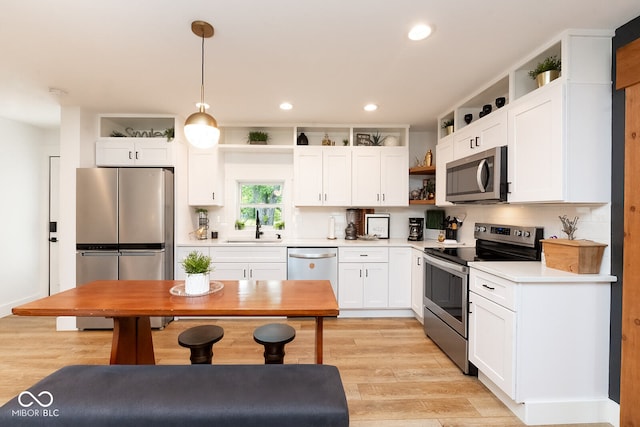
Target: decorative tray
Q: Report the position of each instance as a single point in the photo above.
(179, 290)
(368, 237)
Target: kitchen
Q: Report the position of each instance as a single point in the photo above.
(311, 222)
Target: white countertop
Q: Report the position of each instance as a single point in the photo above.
(536, 272)
(326, 243)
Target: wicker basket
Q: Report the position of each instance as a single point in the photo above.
(575, 256)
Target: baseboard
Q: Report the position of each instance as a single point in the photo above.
(558, 412)
(5, 309)
(345, 313)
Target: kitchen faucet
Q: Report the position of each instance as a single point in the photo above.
(258, 232)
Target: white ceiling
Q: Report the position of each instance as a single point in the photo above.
(327, 57)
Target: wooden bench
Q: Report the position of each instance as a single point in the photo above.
(184, 395)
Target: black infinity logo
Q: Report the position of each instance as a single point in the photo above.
(35, 399)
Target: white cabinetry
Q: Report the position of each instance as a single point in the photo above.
(206, 178)
(380, 176)
(363, 277)
(127, 140)
(563, 128)
(487, 133)
(557, 135)
(541, 346)
(322, 176)
(126, 152)
(181, 253)
(417, 283)
(399, 278)
(444, 154)
(249, 262)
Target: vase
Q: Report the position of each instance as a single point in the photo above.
(302, 139)
(547, 77)
(449, 130)
(196, 284)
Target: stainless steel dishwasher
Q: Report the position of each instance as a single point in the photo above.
(313, 264)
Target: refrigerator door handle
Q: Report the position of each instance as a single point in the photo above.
(140, 253)
(100, 253)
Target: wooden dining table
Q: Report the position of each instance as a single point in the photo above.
(131, 303)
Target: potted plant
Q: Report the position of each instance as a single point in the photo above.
(258, 137)
(447, 125)
(546, 71)
(169, 134)
(278, 225)
(197, 267)
(239, 224)
(377, 139)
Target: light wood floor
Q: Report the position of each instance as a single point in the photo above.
(393, 375)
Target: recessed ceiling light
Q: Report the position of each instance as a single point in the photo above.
(286, 106)
(370, 107)
(420, 32)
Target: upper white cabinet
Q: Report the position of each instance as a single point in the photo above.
(351, 166)
(444, 154)
(564, 127)
(482, 135)
(322, 176)
(380, 176)
(206, 178)
(128, 140)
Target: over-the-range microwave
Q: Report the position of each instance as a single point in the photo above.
(479, 178)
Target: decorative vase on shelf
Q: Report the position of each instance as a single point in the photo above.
(302, 139)
(449, 130)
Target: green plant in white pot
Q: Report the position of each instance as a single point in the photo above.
(197, 267)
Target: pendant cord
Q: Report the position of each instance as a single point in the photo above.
(202, 75)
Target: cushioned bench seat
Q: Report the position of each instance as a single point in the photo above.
(185, 395)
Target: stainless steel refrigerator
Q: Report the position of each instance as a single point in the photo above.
(124, 229)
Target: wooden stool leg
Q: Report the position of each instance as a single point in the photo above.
(274, 354)
(202, 355)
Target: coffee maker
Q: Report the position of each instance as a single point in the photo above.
(416, 229)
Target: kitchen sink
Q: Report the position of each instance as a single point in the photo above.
(253, 240)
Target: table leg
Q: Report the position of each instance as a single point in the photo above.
(319, 333)
(132, 343)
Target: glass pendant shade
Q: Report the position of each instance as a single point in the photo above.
(201, 130)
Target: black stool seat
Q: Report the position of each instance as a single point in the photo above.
(273, 337)
(200, 340)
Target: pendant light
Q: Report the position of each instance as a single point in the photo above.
(201, 129)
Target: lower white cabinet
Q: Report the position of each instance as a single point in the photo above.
(399, 278)
(239, 262)
(250, 271)
(542, 343)
(417, 283)
(249, 262)
(363, 277)
(181, 253)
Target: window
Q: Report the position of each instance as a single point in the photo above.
(263, 198)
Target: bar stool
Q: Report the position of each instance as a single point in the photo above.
(200, 340)
(273, 337)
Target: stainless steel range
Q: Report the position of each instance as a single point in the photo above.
(446, 282)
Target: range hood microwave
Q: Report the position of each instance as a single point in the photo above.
(479, 178)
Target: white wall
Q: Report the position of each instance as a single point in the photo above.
(24, 152)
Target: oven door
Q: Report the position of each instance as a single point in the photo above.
(446, 287)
